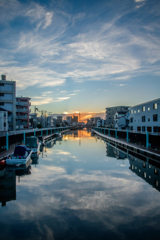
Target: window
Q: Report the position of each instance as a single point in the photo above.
(143, 118)
(155, 106)
(156, 129)
(4, 124)
(1, 103)
(148, 108)
(1, 84)
(143, 128)
(138, 111)
(143, 109)
(131, 119)
(139, 129)
(2, 94)
(148, 119)
(156, 183)
(149, 129)
(144, 175)
(155, 117)
(134, 111)
(4, 114)
(131, 128)
(144, 165)
(156, 171)
(131, 111)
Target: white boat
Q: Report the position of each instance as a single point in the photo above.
(34, 145)
(20, 157)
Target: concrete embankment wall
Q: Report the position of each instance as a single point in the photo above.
(11, 139)
(145, 139)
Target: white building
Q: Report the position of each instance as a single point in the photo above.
(111, 111)
(146, 116)
(51, 122)
(3, 121)
(100, 122)
(8, 100)
(121, 120)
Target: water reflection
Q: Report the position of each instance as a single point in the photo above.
(8, 183)
(85, 192)
(147, 169)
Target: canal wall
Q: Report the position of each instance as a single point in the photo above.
(146, 139)
(10, 139)
(126, 143)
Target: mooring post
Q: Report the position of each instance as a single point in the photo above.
(24, 138)
(115, 133)
(147, 139)
(34, 133)
(6, 141)
(147, 162)
(127, 136)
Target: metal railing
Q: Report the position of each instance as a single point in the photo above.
(145, 139)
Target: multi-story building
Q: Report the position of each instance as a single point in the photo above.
(51, 122)
(69, 120)
(146, 116)
(22, 112)
(3, 121)
(111, 111)
(59, 119)
(75, 119)
(8, 101)
(33, 120)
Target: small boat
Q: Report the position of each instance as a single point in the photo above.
(20, 157)
(33, 144)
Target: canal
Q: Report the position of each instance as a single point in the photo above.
(81, 187)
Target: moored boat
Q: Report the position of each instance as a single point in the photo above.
(21, 156)
(33, 144)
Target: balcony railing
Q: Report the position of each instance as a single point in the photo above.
(22, 103)
(21, 110)
(22, 117)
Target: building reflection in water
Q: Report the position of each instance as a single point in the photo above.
(8, 183)
(114, 152)
(8, 187)
(147, 169)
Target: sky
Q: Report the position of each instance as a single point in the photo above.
(81, 55)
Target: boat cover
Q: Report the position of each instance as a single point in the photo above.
(31, 142)
(21, 150)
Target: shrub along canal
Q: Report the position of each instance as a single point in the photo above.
(81, 187)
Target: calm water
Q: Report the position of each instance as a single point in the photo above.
(81, 188)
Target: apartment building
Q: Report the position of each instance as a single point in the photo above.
(22, 112)
(8, 101)
(111, 111)
(3, 121)
(146, 116)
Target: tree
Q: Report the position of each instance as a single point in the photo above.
(39, 125)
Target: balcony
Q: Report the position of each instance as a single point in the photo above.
(21, 103)
(22, 117)
(21, 110)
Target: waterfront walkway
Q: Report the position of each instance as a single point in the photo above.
(128, 145)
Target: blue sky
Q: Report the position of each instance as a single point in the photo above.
(81, 55)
